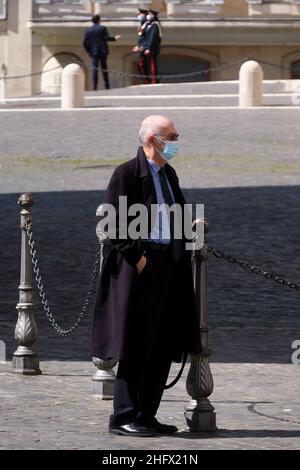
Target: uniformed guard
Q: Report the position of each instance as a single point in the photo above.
(139, 49)
(153, 36)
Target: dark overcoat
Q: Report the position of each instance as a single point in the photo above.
(153, 37)
(117, 298)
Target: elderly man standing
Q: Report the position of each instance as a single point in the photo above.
(145, 314)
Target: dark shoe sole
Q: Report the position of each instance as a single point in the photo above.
(119, 432)
(170, 433)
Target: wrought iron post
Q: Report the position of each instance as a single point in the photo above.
(25, 359)
(2, 352)
(199, 413)
(104, 378)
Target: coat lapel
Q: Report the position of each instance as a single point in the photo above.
(143, 172)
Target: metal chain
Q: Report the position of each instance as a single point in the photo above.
(283, 67)
(177, 75)
(120, 73)
(164, 76)
(14, 77)
(243, 264)
(135, 75)
(42, 293)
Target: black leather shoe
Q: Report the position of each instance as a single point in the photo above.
(132, 429)
(161, 428)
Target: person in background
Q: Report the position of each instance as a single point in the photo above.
(139, 49)
(153, 36)
(95, 44)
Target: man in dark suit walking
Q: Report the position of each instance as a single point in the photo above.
(145, 313)
(95, 44)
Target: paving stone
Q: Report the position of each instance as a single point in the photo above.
(244, 166)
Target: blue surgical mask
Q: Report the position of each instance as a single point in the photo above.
(170, 150)
(140, 18)
(149, 17)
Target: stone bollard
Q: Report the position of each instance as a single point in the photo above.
(104, 378)
(250, 84)
(2, 90)
(72, 87)
(200, 415)
(25, 359)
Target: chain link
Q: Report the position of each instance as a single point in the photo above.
(91, 292)
(35, 74)
(42, 293)
(243, 264)
(120, 73)
(134, 75)
(162, 76)
(223, 66)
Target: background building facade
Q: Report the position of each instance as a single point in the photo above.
(198, 35)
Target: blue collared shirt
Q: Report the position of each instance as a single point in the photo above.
(160, 232)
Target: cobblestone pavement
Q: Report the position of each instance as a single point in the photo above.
(62, 151)
(257, 407)
(251, 318)
(244, 166)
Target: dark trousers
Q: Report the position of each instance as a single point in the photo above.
(142, 66)
(142, 375)
(138, 389)
(153, 69)
(102, 59)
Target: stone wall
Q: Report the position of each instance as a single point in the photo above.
(37, 38)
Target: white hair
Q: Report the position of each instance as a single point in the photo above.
(151, 125)
(146, 129)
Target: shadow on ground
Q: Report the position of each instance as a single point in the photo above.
(251, 319)
(238, 433)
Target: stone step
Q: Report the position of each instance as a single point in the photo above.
(217, 88)
(276, 92)
(155, 102)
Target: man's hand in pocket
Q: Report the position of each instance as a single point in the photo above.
(141, 264)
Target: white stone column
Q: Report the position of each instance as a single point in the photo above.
(72, 87)
(96, 7)
(19, 48)
(2, 90)
(250, 84)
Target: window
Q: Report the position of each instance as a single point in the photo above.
(173, 65)
(295, 69)
(3, 9)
